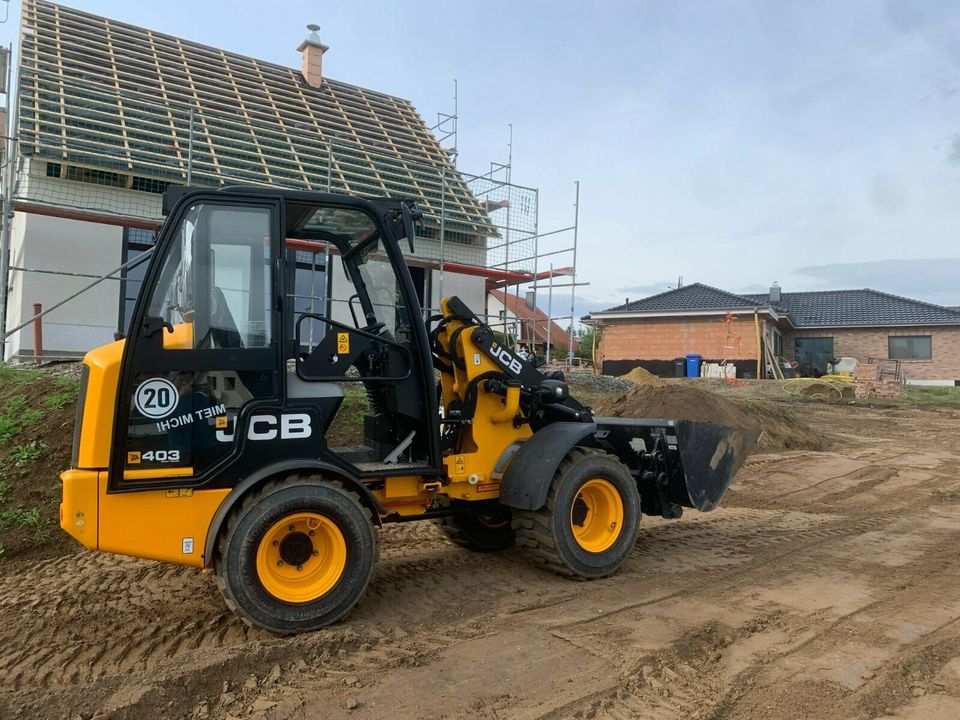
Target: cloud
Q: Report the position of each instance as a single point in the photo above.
(615, 296)
(636, 292)
(753, 288)
(933, 280)
(889, 195)
(953, 149)
(905, 16)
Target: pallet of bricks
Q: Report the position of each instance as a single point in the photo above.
(872, 382)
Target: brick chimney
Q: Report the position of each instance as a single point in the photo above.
(312, 51)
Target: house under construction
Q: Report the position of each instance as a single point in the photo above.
(109, 115)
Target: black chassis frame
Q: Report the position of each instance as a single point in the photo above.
(394, 219)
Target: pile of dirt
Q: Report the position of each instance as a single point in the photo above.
(778, 423)
(643, 377)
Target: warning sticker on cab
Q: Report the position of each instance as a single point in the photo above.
(459, 466)
(343, 343)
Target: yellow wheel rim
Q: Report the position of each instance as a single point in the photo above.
(596, 515)
(301, 557)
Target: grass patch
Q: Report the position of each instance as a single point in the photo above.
(30, 520)
(65, 393)
(18, 376)
(16, 416)
(36, 417)
(26, 453)
(8, 430)
(347, 426)
(355, 404)
(923, 395)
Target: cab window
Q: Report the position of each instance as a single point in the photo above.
(215, 285)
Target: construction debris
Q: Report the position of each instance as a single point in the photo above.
(871, 382)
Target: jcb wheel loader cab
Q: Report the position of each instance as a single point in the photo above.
(590, 522)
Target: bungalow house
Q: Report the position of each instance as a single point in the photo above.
(807, 329)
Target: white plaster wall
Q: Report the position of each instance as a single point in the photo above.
(494, 308)
(452, 251)
(469, 288)
(50, 243)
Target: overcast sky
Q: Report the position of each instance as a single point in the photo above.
(733, 143)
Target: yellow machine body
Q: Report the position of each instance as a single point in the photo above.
(172, 525)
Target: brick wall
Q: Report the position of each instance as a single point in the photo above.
(872, 342)
(650, 340)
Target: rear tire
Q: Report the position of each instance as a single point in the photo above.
(297, 555)
(483, 530)
(591, 520)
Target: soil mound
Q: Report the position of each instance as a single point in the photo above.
(643, 377)
(778, 423)
(37, 410)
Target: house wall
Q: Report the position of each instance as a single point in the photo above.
(505, 323)
(864, 343)
(469, 288)
(57, 244)
(654, 343)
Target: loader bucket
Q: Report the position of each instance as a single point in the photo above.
(710, 456)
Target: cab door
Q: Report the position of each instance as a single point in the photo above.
(204, 347)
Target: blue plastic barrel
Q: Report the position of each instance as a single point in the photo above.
(693, 365)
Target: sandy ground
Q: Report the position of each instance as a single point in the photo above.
(827, 587)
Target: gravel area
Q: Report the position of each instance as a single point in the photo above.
(599, 383)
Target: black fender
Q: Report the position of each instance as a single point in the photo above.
(526, 482)
(282, 468)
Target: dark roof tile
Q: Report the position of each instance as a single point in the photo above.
(829, 308)
(845, 308)
(688, 297)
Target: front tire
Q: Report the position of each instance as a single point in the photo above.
(297, 556)
(591, 520)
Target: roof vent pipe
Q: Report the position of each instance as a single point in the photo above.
(775, 292)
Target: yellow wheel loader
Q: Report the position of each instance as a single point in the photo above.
(202, 438)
